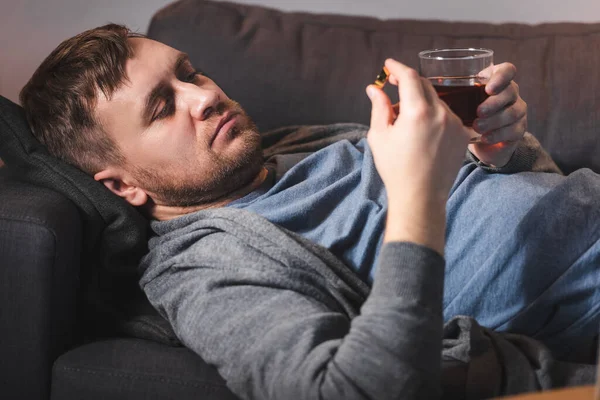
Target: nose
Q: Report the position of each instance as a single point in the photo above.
(201, 102)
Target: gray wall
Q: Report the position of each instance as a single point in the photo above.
(30, 29)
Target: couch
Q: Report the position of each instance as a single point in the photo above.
(285, 69)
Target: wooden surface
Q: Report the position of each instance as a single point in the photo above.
(578, 393)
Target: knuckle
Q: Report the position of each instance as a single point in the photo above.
(412, 74)
(520, 109)
(426, 83)
(513, 68)
(444, 118)
(515, 86)
(513, 114)
(523, 124)
(419, 111)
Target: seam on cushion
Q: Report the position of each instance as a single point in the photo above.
(461, 36)
(41, 225)
(35, 221)
(146, 377)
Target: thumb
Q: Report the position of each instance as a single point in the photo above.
(381, 108)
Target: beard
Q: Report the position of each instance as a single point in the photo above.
(217, 176)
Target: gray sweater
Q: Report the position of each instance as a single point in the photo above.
(281, 318)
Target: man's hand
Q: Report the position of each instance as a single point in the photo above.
(417, 153)
(502, 117)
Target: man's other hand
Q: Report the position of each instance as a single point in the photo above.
(501, 118)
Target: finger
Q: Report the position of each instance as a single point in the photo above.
(410, 87)
(429, 92)
(381, 108)
(465, 132)
(500, 101)
(502, 75)
(487, 72)
(508, 134)
(507, 116)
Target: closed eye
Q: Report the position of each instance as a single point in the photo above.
(167, 110)
(186, 73)
(191, 77)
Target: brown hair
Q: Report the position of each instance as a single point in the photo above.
(60, 97)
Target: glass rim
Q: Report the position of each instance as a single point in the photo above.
(479, 53)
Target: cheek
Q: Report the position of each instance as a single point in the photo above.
(166, 146)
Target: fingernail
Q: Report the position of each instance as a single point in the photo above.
(370, 91)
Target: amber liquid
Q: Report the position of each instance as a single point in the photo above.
(462, 94)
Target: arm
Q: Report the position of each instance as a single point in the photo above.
(274, 331)
(277, 324)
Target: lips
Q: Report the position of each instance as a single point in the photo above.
(222, 122)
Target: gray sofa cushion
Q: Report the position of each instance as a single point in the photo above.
(299, 68)
(114, 234)
(128, 369)
(39, 273)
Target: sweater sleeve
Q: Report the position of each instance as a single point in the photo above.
(529, 156)
(271, 339)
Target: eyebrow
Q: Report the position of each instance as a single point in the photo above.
(160, 90)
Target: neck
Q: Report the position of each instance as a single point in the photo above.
(164, 212)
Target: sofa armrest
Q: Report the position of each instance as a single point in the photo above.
(40, 235)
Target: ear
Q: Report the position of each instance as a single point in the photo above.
(113, 180)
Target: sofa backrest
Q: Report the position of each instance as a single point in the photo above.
(299, 68)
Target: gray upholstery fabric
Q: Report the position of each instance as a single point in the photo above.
(298, 68)
(113, 238)
(126, 369)
(40, 245)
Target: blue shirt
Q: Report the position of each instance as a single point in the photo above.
(333, 197)
(522, 250)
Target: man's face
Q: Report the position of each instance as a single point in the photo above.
(185, 142)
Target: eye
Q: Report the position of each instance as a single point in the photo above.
(165, 111)
(191, 77)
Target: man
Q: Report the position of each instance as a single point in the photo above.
(279, 316)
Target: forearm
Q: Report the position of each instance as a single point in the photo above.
(417, 219)
(529, 156)
(408, 289)
(393, 348)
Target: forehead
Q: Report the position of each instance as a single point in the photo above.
(147, 55)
